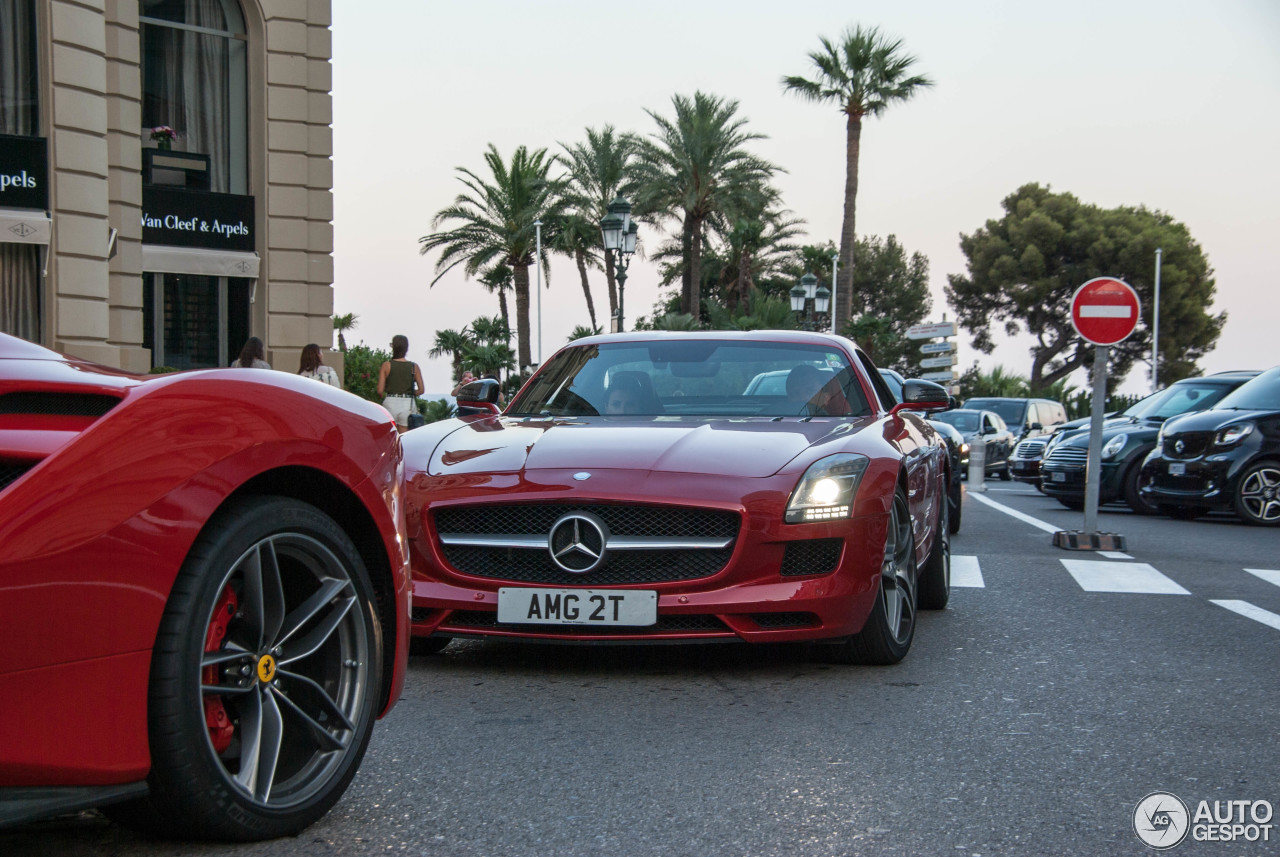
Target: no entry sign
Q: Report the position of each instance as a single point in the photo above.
(1105, 310)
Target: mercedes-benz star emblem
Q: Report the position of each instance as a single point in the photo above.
(1179, 446)
(578, 542)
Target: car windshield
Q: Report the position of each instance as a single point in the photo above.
(693, 377)
(1010, 410)
(1180, 398)
(962, 420)
(1257, 394)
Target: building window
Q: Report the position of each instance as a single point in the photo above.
(194, 81)
(19, 94)
(20, 291)
(194, 321)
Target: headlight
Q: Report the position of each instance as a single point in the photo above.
(1231, 435)
(964, 447)
(1159, 450)
(827, 489)
(1113, 446)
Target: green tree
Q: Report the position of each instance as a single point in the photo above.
(581, 332)
(453, 344)
(433, 411)
(360, 370)
(890, 293)
(1025, 267)
(997, 382)
(495, 357)
(577, 238)
(491, 330)
(343, 323)
(493, 222)
(599, 170)
(695, 165)
(498, 278)
(863, 74)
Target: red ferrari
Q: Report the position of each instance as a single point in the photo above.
(203, 593)
(658, 487)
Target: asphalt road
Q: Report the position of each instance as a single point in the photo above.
(1031, 717)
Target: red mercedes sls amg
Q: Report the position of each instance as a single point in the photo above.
(203, 593)
(647, 487)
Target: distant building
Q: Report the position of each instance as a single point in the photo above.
(122, 247)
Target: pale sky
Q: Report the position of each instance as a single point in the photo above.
(1171, 105)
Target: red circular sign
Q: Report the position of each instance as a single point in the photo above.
(1105, 310)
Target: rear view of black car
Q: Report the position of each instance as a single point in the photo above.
(1224, 458)
(1126, 440)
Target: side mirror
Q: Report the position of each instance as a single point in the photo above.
(920, 395)
(484, 390)
(1036, 427)
(989, 429)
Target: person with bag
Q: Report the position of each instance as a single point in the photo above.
(312, 366)
(400, 383)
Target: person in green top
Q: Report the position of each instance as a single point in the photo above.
(400, 382)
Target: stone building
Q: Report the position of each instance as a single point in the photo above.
(166, 178)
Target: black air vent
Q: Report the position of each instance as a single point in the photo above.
(57, 404)
(10, 470)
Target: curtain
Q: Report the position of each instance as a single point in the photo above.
(20, 290)
(17, 68)
(190, 88)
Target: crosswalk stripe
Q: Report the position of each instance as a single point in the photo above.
(1138, 577)
(1267, 574)
(1114, 555)
(1257, 614)
(965, 571)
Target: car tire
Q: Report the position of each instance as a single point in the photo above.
(955, 502)
(274, 603)
(1132, 496)
(1005, 475)
(1257, 499)
(1181, 513)
(421, 646)
(886, 637)
(935, 574)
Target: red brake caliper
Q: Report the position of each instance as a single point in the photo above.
(221, 729)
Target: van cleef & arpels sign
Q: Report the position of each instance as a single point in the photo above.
(183, 218)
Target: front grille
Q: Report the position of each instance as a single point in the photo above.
(620, 568)
(488, 620)
(1030, 449)
(1068, 455)
(784, 620)
(811, 556)
(57, 404)
(1194, 444)
(1187, 484)
(11, 470)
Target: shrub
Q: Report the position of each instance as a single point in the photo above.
(361, 370)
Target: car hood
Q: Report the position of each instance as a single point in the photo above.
(754, 447)
(1213, 419)
(1136, 429)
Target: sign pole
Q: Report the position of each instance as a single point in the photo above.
(1093, 468)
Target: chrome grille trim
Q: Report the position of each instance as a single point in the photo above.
(615, 543)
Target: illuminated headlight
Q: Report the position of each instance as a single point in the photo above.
(1231, 435)
(964, 447)
(1113, 446)
(827, 489)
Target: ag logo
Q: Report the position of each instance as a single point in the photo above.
(1161, 820)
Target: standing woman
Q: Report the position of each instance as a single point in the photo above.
(400, 381)
(312, 366)
(253, 355)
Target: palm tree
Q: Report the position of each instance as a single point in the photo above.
(694, 166)
(863, 74)
(757, 245)
(497, 278)
(491, 331)
(494, 223)
(453, 343)
(579, 238)
(343, 323)
(599, 170)
(495, 357)
(582, 331)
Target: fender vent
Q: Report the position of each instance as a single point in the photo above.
(57, 404)
(10, 471)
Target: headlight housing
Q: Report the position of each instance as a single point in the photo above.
(1233, 434)
(1112, 447)
(964, 448)
(827, 489)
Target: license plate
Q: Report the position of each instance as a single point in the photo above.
(1178, 469)
(1057, 476)
(577, 606)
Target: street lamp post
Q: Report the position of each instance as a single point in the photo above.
(620, 233)
(808, 299)
(537, 264)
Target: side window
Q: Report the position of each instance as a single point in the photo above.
(1033, 415)
(883, 393)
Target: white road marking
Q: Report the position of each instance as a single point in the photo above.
(1257, 614)
(1114, 554)
(1267, 574)
(1048, 528)
(965, 571)
(1096, 576)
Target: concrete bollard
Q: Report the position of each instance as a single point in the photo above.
(977, 464)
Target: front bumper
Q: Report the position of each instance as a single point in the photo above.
(1205, 482)
(1068, 481)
